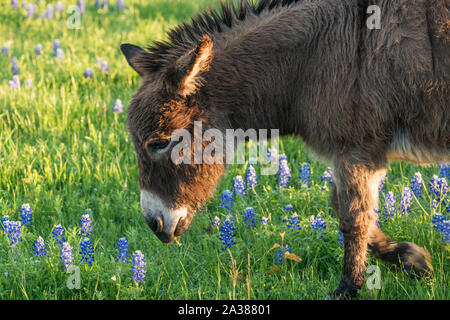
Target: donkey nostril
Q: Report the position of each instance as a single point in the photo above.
(160, 225)
(153, 224)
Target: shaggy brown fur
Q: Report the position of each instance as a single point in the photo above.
(357, 97)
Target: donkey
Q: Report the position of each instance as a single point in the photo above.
(358, 97)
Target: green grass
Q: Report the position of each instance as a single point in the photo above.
(63, 150)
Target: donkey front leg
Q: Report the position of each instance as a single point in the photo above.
(357, 194)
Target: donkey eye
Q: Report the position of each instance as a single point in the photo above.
(157, 145)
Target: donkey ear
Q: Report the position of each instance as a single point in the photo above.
(186, 73)
(135, 56)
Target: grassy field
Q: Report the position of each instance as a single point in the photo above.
(63, 150)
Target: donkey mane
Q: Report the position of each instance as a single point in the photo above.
(183, 37)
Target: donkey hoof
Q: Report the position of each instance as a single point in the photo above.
(415, 260)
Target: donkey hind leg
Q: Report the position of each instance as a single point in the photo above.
(357, 195)
(414, 259)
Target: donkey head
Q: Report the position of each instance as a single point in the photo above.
(168, 100)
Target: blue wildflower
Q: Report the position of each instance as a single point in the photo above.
(216, 222)
(227, 232)
(238, 186)
(15, 4)
(38, 49)
(85, 226)
(88, 73)
(122, 249)
(227, 200)
(3, 222)
(26, 215)
(14, 231)
(249, 216)
(121, 5)
(14, 65)
(56, 46)
(40, 247)
(82, 6)
(251, 179)
(118, 106)
(58, 6)
(280, 257)
(283, 157)
(87, 251)
(29, 83)
(49, 12)
(66, 255)
(406, 200)
(389, 206)
(305, 174)
(31, 9)
(59, 53)
(417, 184)
(437, 220)
(5, 49)
(293, 223)
(58, 234)
(445, 170)
(139, 267)
(14, 83)
(327, 176)
(104, 66)
(264, 221)
(319, 224)
(284, 173)
(439, 188)
(341, 238)
(289, 207)
(381, 187)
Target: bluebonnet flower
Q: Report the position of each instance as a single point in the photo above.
(121, 5)
(249, 216)
(40, 247)
(14, 231)
(283, 157)
(417, 184)
(29, 83)
(272, 155)
(38, 49)
(227, 232)
(341, 238)
(66, 255)
(442, 225)
(381, 187)
(56, 46)
(327, 176)
(31, 9)
(14, 83)
(118, 106)
(377, 211)
(49, 12)
(104, 66)
(319, 224)
(216, 222)
(264, 221)
(445, 170)
(289, 207)
(58, 6)
(87, 251)
(305, 174)
(5, 49)
(15, 4)
(88, 73)
(3, 222)
(437, 220)
(104, 4)
(406, 200)
(139, 267)
(284, 173)
(85, 226)
(227, 200)
(14, 65)
(238, 186)
(293, 223)
(122, 249)
(58, 233)
(26, 215)
(389, 206)
(251, 178)
(59, 53)
(439, 188)
(280, 257)
(82, 6)
(434, 204)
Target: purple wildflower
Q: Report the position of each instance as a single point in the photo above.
(238, 186)
(293, 223)
(264, 221)
(406, 200)
(227, 232)
(216, 222)
(417, 184)
(327, 176)
(14, 231)
(56, 46)
(284, 173)
(31, 9)
(85, 226)
(118, 106)
(121, 5)
(58, 6)
(445, 170)
(249, 216)
(104, 66)
(66, 255)
(3, 222)
(381, 188)
(82, 6)
(122, 249)
(251, 178)
(26, 215)
(389, 206)
(49, 12)
(87, 251)
(227, 200)
(58, 233)
(29, 83)
(88, 73)
(38, 49)
(5, 49)
(280, 257)
(305, 174)
(40, 247)
(15, 4)
(139, 267)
